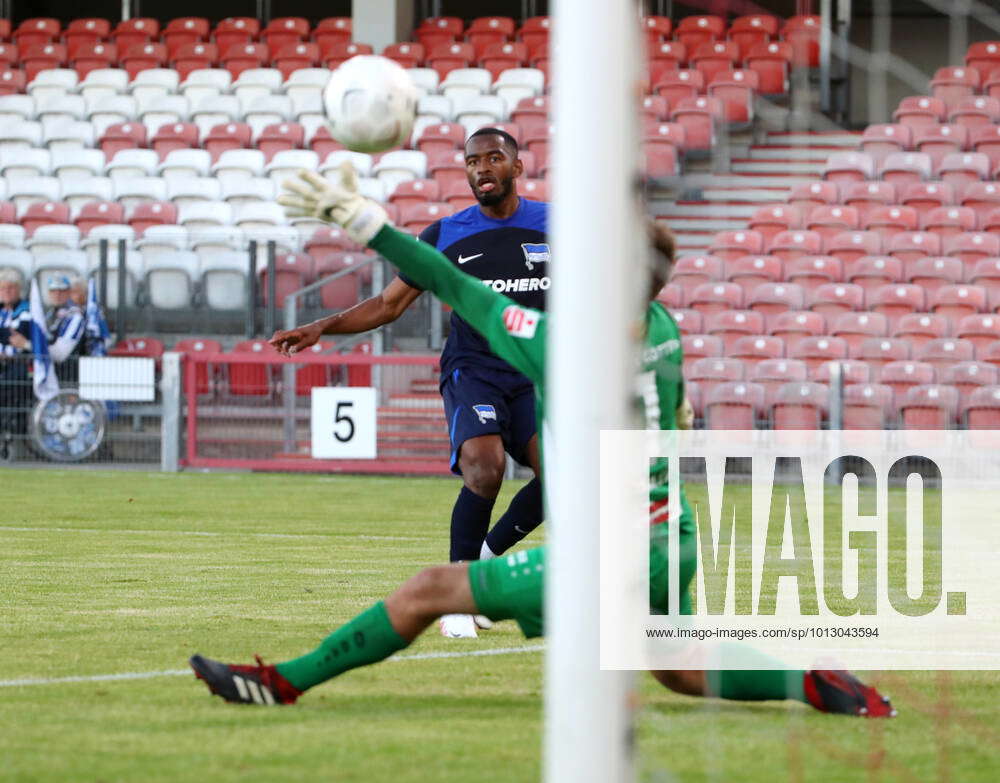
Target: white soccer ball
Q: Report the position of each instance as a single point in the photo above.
(370, 103)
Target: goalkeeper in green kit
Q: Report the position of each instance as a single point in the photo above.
(512, 587)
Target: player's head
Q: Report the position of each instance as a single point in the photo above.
(10, 287)
(492, 165)
(661, 255)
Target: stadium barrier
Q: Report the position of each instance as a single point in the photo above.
(256, 411)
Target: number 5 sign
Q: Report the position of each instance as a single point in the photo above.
(343, 422)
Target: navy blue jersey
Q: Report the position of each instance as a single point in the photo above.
(14, 319)
(511, 256)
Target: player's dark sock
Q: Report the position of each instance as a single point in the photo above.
(470, 519)
(368, 638)
(524, 514)
(755, 685)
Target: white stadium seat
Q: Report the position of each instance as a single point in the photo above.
(158, 110)
(204, 214)
(287, 163)
(259, 213)
(68, 135)
(185, 163)
(466, 81)
(437, 106)
(77, 191)
(64, 107)
(11, 236)
(134, 190)
(133, 162)
(239, 164)
(361, 161)
(243, 190)
(224, 280)
(76, 163)
(25, 163)
(19, 134)
(24, 191)
(103, 81)
(424, 79)
(53, 81)
(170, 279)
(193, 190)
(162, 239)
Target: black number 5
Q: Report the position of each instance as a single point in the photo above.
(343, 417)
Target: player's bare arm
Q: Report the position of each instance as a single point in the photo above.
(383, 308)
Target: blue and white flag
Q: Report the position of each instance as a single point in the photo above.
(44, 374)
(96, 328)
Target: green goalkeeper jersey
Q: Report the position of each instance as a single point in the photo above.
(517, 334)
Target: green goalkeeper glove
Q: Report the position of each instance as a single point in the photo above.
(310, 195)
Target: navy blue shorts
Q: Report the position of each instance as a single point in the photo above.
(484, 402)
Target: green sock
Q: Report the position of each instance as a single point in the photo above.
(755, 685)
(368, 638)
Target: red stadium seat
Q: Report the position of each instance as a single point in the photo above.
(98, 213)
(772, 374)
(811, 272)
(734, 406)
(487, 30)
(143, 56)
(446, 57)
(831, 299)
(194, 56)
(867, 406)
(498, 57)
(877, 352)
(908, 246)
(773, 219)
(939, 140)
(889, 221)
(867, 196)
(986, 139)
(953, 83)
(534, 30)
(668, 133)
(205, 374)
(968, 376)
(944, 351)
(962, 169)
(733, 325)
(45, 213)
(227, 136)
(244, 56)
(991, 223)
(408, 54)
(439, 29)
(855, 327)
(729, 245)
(851, 245)
(748, 272)
(923, 197)
(981, 197)
(816, 350)
(713, 369)
(795, 325)
(714, 57)
(672, 297)
(688, 321)
(123, 136)
(802, 32)
(344, 292)
(691, 271)
(792, 244)
(328, 241)
(698, 346)
(660, 160)
(749, 31)
(292, 271)
(918, 329)
(152, 213)
(185, 30)
(675, 86)
(694, 30)
(36, 31)
(174, 136)
(895, 301)
(458, 195)
(280, 137)
(135, 32)
(984, 56)
(972, 246)
(871, 272)
(235, 30)
(736, 90)
(250, 380)
(283, 31)
(11, 82)
(714, 297)
(88, 56)
(292, 57)
(799, 406)
(36, 58)
(981, 411)
(904, 375)
(920, 110)
(851, 372)
(979, 329)
(957, 301)
(880, 141)
(666, 56)
(417, 217)
(931, 407)
(844, 167)
(655, 108)
(656, 28)
(975, 111)
(335, 28)
(986, 273)
(903, 168)
(757, 348)
(829, 221)
(806, 195)
(771, 62)
(334, 53)
(699, 117)
(311, 376)
(774, 298)
(147, 347)
(933, 272)
(949, 221)
(415, 191)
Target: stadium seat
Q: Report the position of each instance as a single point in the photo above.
(715, 57)
(699, 346)
(732, 325)
(922, 197)
(734, 406)
(43, 214)
(499, 57)
(795, 325)
(691, 271)
(534, 30)
(829, 221)
(748, 272)
(771, 62)
(711, 298)
(284, 31)
(816, 350)
(36, 30)
(749, 31)
(669, 133)
(933, 272)
(730, 245)
(849, 246)
(142, 56)
(772, 299)
(810, 272)
(806, 195)
(799, 406)
(666, 56)
(901, 376)
(957, 301)
(981, 410)
(971, 247)
(867, 406)
(929, 407)
(975, 111)
(90, 56)
(908, 246)
(243, 57)
(871, 272)
(688, 321)
(937, 141)
(891, 220)
(487, 30)
(85, 30)
(772, 374)
(903, 168)
(98, 213)
(447, 57)
(408, 54)
(944, 351)
(895, 301)
(333, 53)
(332, 28)
(855, 328)
(881, 140)
(147, 347)
(967, 376)
(920, 110)
(962, 169)
(694, 30)
(773, 219)
(698, 116)
(756, 348)
(250, 380)
(656, 28)
(953, 83)
(877, 352)
(949, 221)
(711, 371)
(843, 167)
(851, 371)
(979, 329)
(918, 329)
(235, 30)
(803, 32)
(866, 196)
(792, 244)
(36, 58)
(981, 198)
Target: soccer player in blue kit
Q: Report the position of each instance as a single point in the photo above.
(489, 406)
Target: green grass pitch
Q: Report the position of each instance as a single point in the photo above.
(110, 573)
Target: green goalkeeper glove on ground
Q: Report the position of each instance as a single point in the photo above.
(310, 195)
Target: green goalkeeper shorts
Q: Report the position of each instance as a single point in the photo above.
(512, 587)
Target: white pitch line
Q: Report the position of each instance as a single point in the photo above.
(209, 534)
(179, 672)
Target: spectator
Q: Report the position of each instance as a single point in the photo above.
(15, 350)
(66, 326)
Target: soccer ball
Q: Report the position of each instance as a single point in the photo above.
(370, 103)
